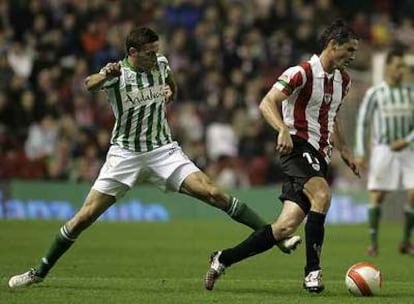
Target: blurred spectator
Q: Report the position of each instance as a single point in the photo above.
(20, 58)
(83, 111)
(6, 73)
(229, 173)
(87, 166)
(102, 141)
(221, 139)
(93, 39)
(381, 31)
(361, 26)
(80, 72)
(405, 34)
(190, 123)
(41, 140)
(182, 13)
(24, 111)
(6, 111)
(60, 161)
(196, 150)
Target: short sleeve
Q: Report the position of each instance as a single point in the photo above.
(290, 80)
(109, 83)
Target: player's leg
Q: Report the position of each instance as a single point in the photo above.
(265, 238)
(319, 194)
(199, 185)
(289, 219)
(406, 246)
(376, 198)
(172, 170)
(95, 204)
(383, 176)
(117, 175)
(259, 241)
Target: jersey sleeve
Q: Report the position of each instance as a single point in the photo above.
(292, 79)
(110, 82)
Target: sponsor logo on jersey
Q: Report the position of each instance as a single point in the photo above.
(147, 94)
(327, 98)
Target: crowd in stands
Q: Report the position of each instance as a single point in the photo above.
(225, 56)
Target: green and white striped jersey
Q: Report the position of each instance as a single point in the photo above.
(390, 113)
(138, 101)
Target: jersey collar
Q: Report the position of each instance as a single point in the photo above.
(318, 70)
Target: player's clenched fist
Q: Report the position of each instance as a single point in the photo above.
(112, 69)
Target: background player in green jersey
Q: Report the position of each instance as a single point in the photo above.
(142, 149)
(388, 110)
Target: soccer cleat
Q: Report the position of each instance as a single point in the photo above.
(215, 271)
(372, 251)
(406, 248)
(25, 279)
(289, 244)
(313, 281)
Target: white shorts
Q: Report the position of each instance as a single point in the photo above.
(165, 167)
(389, 170)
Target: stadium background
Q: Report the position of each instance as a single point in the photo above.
(225, 56)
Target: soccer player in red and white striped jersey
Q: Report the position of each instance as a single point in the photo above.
(302, 107)
(312, 98)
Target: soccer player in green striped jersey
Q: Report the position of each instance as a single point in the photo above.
(142, 148)
(387, 112)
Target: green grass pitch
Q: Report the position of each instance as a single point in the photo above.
(165, 263)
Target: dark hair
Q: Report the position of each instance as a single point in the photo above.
(338, 31)
(395, 52)
(139, 36)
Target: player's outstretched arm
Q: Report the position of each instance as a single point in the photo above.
(95, 81)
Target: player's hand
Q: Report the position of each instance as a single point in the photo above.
(284, 142)
(361, 162)
(350, 161)
(168, 92)
(398, 145)
(111, 70)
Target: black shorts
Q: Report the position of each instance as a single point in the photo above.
(303, 163)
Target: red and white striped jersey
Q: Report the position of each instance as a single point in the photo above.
(314, 98)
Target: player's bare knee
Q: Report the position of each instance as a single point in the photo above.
(216, 197)
(325, 196)
(321, 202)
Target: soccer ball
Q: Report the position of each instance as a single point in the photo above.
(363, 279)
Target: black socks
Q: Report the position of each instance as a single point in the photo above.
(314, 232)
(259, 241)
